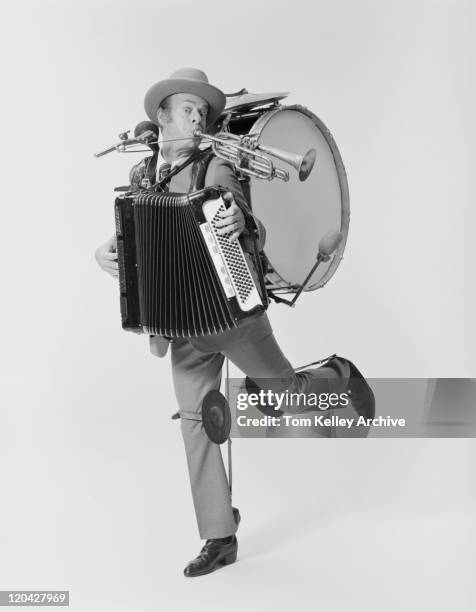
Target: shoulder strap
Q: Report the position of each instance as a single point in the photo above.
(159, 186)
(199, 170)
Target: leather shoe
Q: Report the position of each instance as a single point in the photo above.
(215, 554)
(358, 389)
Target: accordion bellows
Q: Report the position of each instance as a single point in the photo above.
(179, 277)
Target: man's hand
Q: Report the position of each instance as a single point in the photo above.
(106, 256)
(232, 219)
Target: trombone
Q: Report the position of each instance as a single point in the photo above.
(253, 158)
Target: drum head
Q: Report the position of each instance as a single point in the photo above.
(298, 214)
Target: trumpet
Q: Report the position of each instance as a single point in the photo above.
(253, 158)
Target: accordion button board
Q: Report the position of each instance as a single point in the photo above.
(229, 259)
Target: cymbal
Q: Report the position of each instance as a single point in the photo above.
(243, 100)
(216, 416)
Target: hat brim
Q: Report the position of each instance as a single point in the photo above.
(157, 93)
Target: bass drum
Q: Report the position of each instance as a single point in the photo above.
(298, 214)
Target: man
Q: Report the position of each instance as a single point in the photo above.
(179, 105)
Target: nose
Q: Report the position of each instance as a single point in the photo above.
(196, 117)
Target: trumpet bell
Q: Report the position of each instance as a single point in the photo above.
(307, 164)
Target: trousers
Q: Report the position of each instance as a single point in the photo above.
(196, 369)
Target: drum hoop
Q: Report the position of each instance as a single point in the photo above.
(257, 129)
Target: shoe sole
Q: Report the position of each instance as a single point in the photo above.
(368, 400)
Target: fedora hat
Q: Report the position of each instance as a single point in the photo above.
(185, 80)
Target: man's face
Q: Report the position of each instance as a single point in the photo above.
(186, 113)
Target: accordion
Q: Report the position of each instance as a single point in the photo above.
(178, 276)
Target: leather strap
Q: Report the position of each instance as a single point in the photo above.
(320, 362)
(175, 170)
(185, 414)
(199, 170)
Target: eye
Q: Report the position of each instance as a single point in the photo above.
(188, 109)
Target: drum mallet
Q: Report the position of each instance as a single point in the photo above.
(327, 245)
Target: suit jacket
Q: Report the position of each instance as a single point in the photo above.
(219, 172)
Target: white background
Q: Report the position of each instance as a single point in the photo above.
(95, 495)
